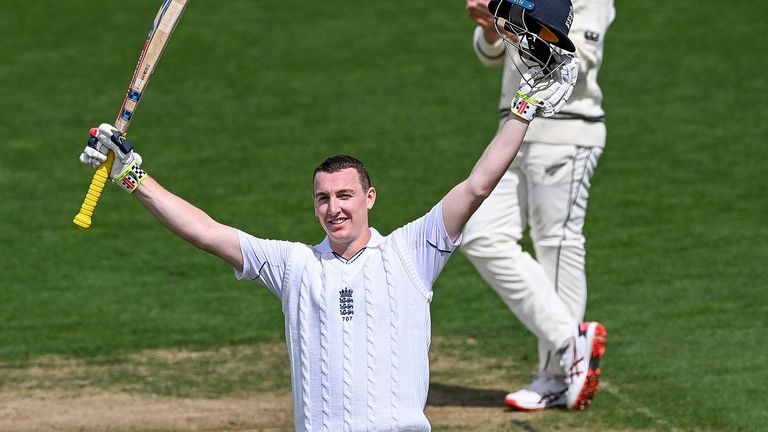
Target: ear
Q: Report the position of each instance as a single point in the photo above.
(371, 197)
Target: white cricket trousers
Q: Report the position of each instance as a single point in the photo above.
(546, 189)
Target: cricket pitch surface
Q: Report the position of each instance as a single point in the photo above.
(169, 390)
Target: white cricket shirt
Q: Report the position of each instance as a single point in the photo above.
(357, 330)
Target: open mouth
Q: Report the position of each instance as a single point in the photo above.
(336, 222)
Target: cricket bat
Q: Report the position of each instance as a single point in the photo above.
(167, 17)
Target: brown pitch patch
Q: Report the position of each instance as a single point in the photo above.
(122, 412)
(241, 388)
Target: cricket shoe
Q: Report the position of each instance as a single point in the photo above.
(581, 362)
(546, 391)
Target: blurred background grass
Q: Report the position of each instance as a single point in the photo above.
(250, 96)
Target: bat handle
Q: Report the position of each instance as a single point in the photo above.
(83, 219)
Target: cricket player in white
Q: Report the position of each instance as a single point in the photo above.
(357, 319)
(545, 188)
(356, 306)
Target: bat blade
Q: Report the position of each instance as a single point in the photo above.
(162, 27)
(157, 39)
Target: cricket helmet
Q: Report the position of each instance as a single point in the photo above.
(537, 30)
(549, 20)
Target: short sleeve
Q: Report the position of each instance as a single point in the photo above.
(432, 246)
(264, 261)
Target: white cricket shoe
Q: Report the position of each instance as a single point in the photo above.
(546, 391)
(581, 362)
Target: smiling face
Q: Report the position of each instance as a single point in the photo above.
(342, 207)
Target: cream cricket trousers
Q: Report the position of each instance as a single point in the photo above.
(545, 189)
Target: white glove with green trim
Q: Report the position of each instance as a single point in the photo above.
(549, 94)
(126, 170)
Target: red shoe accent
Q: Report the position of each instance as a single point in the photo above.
(598, 343)
(94, 132)
(593, 373)
(513, 404)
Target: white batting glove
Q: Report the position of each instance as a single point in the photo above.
(126, 170)
(549, 94)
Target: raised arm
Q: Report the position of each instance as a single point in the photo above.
(485, 41)
(180, 217)
(464, 199)
(546, 97)
(190, 223)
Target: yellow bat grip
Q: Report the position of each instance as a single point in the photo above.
(83, 219)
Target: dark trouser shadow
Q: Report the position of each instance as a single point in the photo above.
(449, 395)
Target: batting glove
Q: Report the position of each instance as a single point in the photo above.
(126, 170)
(549, 94)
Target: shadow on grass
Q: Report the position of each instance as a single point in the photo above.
(451, 395)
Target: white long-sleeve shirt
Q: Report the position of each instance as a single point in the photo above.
(581, 121)
(357, 330)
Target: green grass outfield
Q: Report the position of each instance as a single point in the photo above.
(251, 95)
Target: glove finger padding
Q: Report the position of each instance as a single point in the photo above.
(568, 75)
(91, 156)
(548, 94)
(126, 171)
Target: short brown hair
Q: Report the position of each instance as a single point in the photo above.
(339, 162)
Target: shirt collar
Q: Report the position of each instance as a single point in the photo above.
(375, 240)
